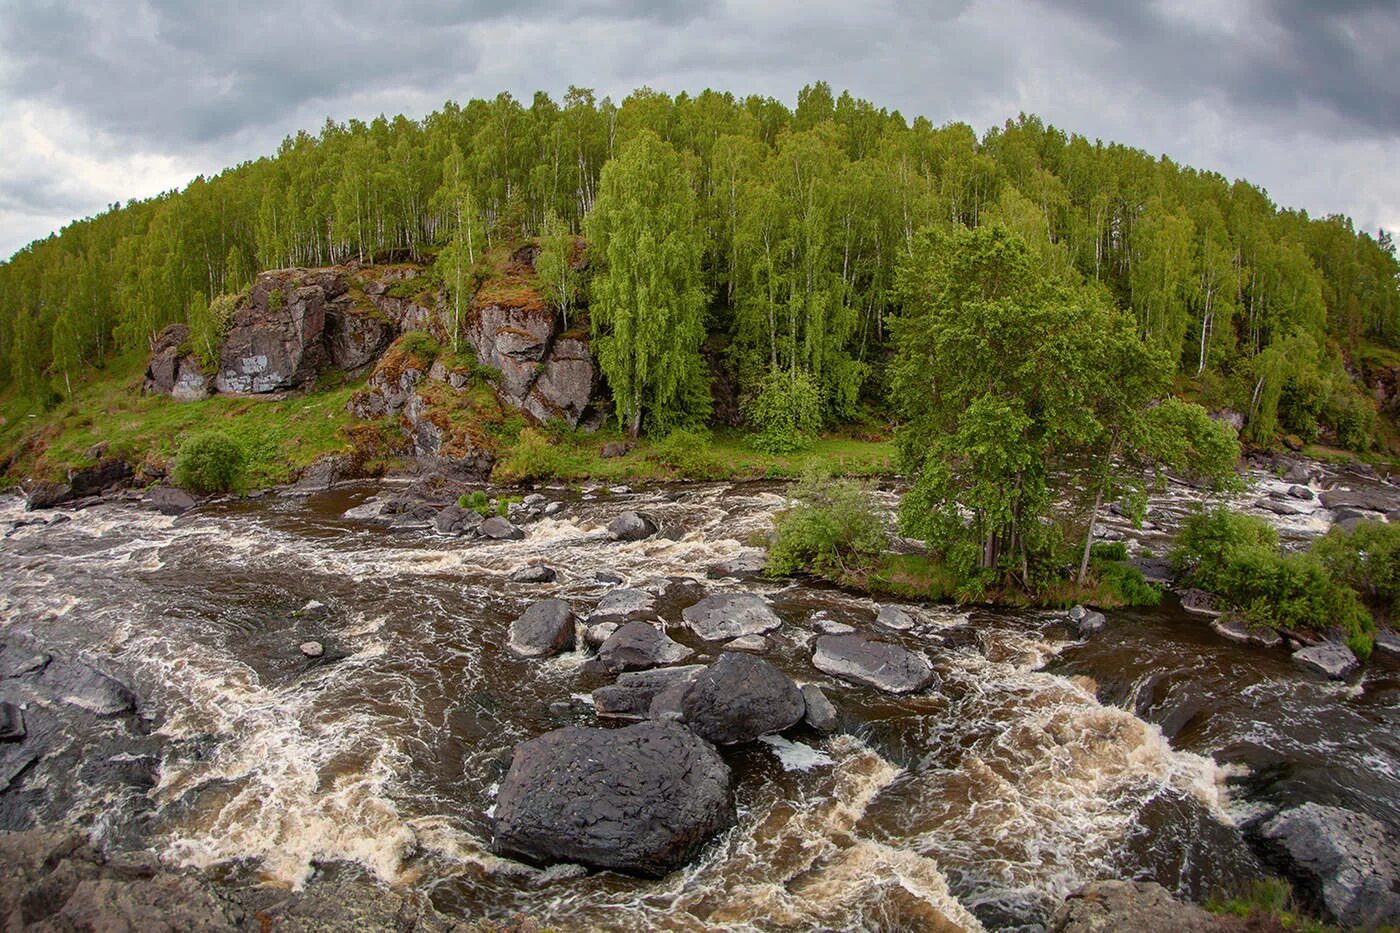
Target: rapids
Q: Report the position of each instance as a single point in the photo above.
(1042, 762)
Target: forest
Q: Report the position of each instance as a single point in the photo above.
(739, 228)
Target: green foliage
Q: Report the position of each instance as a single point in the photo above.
(209, 322)
(1367, 558)
(786, 412)
(1128, 584)
(275, 299)
(833, 531)
(1237, 558)
(1109, 551)
(209, 461)
(477, 501)
(1268, 903)
(688, 453)
(648, 298)
(554, 266)
(532, 457)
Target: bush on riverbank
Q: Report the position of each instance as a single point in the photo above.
(834, 531)
(208, 462)
(1237, 558)
(1368, 559)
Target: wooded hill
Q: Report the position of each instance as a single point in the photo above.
(794, 222)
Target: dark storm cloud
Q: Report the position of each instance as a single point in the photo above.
(1333, 59)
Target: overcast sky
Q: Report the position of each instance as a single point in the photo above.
(100, 102)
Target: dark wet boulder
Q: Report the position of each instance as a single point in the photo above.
(624, 605)
(643, 799)
(894, 618)
(11, 723)
(1329, 659)
(1086, 621)
(740, 697)
(631, 526)
(1136, 907)
(820, 714)
(455, 520)
(1348, 863)
(731, 615)
(168, 500)
(631, 696)
(534, 573)
(637, 646)
(875, 664)
(1301, 493)
(101, 477)
(77, 684)
(545, 628)
(499, 529)
(48, 496)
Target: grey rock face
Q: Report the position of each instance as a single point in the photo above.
(11, 723)
(172, 372)
(565, 386)
(1329, 659)
(167, 500)
(631, 696)
(893, 617)
(545, 628)
(820, 714)
(543, 372)
(499, 529)
(277, 341)
(1350, 863)
(1124, 906)
(872, 663)
(631, 526)
(636, 646)
(731, 615)
(356, 337)
(740, 697)
(624, 605)
(642, 799)
(455, 520)
(79, 685)
(534, 573)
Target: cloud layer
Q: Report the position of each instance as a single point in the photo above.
(101, 102)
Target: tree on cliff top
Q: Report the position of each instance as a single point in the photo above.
(647, 302)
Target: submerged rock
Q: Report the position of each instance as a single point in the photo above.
(637, 646)
(820, 714)
(875, 664)
(1349, 862)
(631, 526)
(77, 684)
(544, 629)
(642, 799)
(1329, 658)
(740, 697)
(631, 696)
(731, 615)
(534, 573)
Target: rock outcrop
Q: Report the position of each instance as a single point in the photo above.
(1347, 862)
(731, 615)
(277, 340)
(543, 371)
(642, 799)
(172, 370)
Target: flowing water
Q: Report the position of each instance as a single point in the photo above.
(1040, 763)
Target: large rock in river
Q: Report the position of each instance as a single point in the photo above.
(545, 628)
(876, 664)
(1349, 862)
(636, 646)
(1329, 659)
(731, 615)
(642, 799)
(740, 697)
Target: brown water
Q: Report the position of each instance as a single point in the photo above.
(1039, 764)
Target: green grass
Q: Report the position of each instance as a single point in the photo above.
(278, 437)
(1269, 905)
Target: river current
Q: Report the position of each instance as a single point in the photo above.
(1042, 761)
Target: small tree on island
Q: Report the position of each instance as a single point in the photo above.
(1017, 391)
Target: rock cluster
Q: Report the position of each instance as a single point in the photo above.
(1349, 862)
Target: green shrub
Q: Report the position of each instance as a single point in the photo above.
(533, 457)
(1108, 551)
(477, 501)
(1367, 558)
(1354, 420)
(686, 451)
(1129, 585)
(1207, 537)
(834, 531)
(786, 413)
(208, 462)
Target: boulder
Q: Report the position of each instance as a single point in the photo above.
(499, 529)
(11, 723)
(99, 478)
(731, 615)
(1367, 500)
(595, 635)
(872, 663)
(820, 714)
(1235, 630)
(17, 659)
(624, 605)
(513, 341)
(740, 697)
(167, 500)
(636, 646)
(823, 622)
(312, 649)
(323, 473)
(1279, 508)
(534, 573)
(1302, 493)
(631, 696)
(1200, 602)
(895, 618)
(47, 496)
(1388, 641)
(1133, 906)
(642, 799)
(1297, 473)
(607, 577)
(276, 341)
(1086, 622)
(1348, 863)
(631, 526)
(544, 629)
(455, 520)
(170, 371)
(1329, 659)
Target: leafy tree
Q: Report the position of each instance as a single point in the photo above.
(462, 230)
(786, 411)
(554, 266)
(647, 302)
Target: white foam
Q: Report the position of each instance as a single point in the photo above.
(795, 756)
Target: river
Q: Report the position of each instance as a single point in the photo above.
(1041, 762)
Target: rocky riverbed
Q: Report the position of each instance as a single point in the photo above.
(174, 741)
